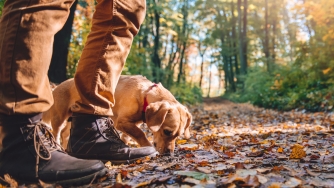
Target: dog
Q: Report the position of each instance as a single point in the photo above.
(138, 100)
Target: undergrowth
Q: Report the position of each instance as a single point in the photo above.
(287, 88)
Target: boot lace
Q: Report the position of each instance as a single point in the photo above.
(110, 133)
(44, 141)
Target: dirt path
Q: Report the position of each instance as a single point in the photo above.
(239, 145)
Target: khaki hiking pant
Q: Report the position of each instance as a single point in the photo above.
(27, 29)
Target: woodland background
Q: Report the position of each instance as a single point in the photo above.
(273, 53)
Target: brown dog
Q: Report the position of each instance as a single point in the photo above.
(134, 95)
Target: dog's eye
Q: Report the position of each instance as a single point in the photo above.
(168, 132)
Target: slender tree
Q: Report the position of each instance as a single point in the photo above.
(57, 70)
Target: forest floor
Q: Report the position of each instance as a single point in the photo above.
(239, 145)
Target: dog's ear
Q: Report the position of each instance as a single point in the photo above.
(187, 119)
(155, 115)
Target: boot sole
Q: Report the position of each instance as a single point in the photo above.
(117, 162)
(82, 180)
(85, 180)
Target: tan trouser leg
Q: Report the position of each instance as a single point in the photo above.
(27, 28)
(115, 23)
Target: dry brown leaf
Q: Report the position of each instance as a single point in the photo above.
(277, 168)
(181, 141)
(10, 181)
(263, 170)
(244, 173)
(124, 173)
(229, 154)
(189, 155)
(220, 172)
(293, 182)
(204, 170)
(203, 163)
(275, 185)
(312, 173)
(255, 154)
(262, 179)
(297, 152)
(119, 178)
(280, 150)
(239, 166)
(251, 181)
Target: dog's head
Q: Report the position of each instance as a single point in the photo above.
(167, 121)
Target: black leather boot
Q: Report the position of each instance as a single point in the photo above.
(30, 154)
(94, 137)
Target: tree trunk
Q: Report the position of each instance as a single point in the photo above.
(241, 41)
(227, 75)
(155, 56)
(57, 70)
(273, 41)
(210, 75)
(185, 10)
(266, 38)
(231, 75)
(234, 39)
(202, 68)
(201, 53)
(244, 37)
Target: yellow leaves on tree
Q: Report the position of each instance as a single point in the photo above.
(297, 152)
(320, 12)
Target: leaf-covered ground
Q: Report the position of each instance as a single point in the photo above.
(239, 145)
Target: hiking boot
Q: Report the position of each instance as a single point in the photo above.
(30, 154)
(95, 137)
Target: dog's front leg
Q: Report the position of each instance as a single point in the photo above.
(130, 129)
(126, 138)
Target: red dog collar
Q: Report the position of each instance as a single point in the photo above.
(146, 103)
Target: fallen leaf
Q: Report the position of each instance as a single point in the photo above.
(297, 152)
(229, 154)
(196, 175)
(293, 182)
(239, 165)
(280, 150)
(244, 173)
(312, 173)
(277, 168)
(108, 164)
(192, 180)
(255, 154)
(263, 170)
(10, 181)
(204, 170)
(164, 179)
(189, 146)
(189, 155)
(124, 173)
(181, 141)
(119, 178)
(251, 181)
(262, 179)
(162, 168)
(203, 163)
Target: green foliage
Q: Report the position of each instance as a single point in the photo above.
(289, 88)
(137, 63)
(80, 31)
(187, 94)
(1, 6)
